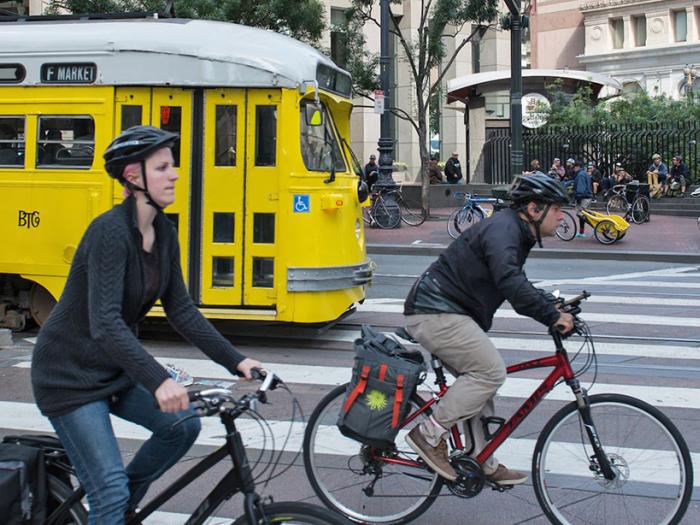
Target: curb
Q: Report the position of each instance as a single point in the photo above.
(546, 253)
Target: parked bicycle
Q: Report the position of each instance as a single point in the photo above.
(65, 497)
(604, 458)
(469, 212)
(626, 200)
(386, 216)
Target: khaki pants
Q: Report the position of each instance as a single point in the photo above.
(468, 353)
(653, 180)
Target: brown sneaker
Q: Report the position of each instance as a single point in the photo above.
(504, 476)
(435, 457)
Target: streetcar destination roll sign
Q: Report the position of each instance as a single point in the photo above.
(68, 73)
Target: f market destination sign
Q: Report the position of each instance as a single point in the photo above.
(68, 73)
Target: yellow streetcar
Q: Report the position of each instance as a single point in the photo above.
(268, 212)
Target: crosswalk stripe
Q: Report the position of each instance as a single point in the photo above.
(617, 318)
(516, 452)
(518, 388)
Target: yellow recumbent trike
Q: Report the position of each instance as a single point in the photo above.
(607, 229)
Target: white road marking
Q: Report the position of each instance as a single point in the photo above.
(515, 387)
(516, 452)
(506, 313)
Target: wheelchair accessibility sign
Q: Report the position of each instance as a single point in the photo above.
(301, 204)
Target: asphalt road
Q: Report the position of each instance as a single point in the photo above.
(644, 317)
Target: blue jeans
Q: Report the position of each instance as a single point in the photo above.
(88, 437)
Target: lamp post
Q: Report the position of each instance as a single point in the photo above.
(386, 142)
(690, 73)
(516, 89)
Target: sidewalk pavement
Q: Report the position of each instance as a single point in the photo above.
(664, 238)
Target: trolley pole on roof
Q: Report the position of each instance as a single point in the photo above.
(386, 141)
(516, 89)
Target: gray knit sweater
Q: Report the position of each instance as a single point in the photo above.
(88, 349)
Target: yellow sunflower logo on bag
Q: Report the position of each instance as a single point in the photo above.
(376, 400)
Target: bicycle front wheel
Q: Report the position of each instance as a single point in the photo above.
(292, 513)
(412, 211)
(617, 205)
(351, 478)
(567, 228)
(654, 473)
(462, 219)
(640, 210)
(386, 217)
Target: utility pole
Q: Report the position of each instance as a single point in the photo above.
(516, 89)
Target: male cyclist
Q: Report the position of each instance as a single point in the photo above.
(452, 304)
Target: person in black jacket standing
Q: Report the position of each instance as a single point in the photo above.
(452, 304)
(453, 169)
(88, 362)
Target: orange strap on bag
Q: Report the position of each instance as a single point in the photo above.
(398, 399)
(358, 390)
(382, 371)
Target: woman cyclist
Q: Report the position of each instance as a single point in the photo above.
(88, 361)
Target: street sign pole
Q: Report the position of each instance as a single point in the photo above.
(516, 89)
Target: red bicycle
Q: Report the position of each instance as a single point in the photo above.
(604, 458)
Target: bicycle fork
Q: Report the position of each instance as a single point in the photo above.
(599, 456)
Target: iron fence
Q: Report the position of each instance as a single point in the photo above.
(631, 144)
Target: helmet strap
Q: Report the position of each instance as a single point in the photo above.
(134, 187)
(536, 223)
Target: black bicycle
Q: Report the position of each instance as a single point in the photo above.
(382, 214)
(65, 495)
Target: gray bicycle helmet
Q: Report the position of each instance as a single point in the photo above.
(135, 145)
(538, 188)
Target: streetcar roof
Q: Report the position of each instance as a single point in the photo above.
(174, 52)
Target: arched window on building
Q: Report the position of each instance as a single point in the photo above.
(630, 89)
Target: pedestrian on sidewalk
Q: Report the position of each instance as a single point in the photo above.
(434, 172)
(371, 171)
(678, 175)
(557, 170)
(453, 169)
(534, 168)
(583, 192)
(596, 179)
(656, 176)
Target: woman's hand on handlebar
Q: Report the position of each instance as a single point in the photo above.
(245, 367)
(172, 397)
(565, 323)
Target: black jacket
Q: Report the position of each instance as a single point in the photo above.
(453, 170)
(478, 271)
(87, 350)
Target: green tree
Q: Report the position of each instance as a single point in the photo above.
(424, 49)
(301, 19)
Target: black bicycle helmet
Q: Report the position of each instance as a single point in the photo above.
(135, 145)
(538, 188)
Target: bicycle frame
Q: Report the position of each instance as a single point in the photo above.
(561, 370)
(238, 479)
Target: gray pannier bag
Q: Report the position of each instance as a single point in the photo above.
(384, 377)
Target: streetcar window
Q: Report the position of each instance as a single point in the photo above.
(12, 73)
(318, 142)
(11, 142)
(171, 120)
(222, 272)
(225, 147)
(66, 142)
(131, 116)
(265, 135)
(264, 228)
(223, 227)
(263, 272)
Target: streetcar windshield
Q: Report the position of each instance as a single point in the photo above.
(319, 144)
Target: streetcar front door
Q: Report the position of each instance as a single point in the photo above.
(239, 198)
